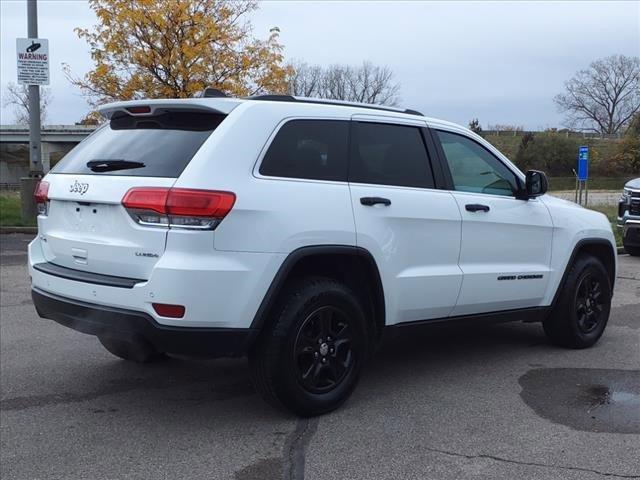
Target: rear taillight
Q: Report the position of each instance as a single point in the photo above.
(178, 207)
(41, 197)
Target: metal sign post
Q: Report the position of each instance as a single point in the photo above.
(33, 70)
(583, 175)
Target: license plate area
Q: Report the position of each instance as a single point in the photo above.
(86, 217)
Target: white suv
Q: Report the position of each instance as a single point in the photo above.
(295, 231)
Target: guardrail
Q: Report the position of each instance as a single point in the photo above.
(520, 133)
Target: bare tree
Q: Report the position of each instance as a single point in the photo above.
(17, 97)
(604, 97)
(305, 80)
(367, 83)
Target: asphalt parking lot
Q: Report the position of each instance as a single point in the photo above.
(491, 402)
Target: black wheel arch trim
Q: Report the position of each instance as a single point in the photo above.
(576, 250)
(295, 256)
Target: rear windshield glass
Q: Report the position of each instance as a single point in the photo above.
(152, 146)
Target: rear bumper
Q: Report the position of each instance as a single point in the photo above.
(220, 290)
(128, 324)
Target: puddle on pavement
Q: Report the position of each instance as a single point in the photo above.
(587, 399)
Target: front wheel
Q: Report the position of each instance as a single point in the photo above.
(310, 359)
(581, 313)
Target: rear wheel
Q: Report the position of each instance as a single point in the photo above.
(581, 313)
(310, 360)
(135, 350)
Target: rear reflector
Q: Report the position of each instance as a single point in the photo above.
(178, 207)
(41, 194)
(167, 310)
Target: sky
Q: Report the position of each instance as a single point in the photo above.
(501, 62)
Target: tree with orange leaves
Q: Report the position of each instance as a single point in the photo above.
(175, 48)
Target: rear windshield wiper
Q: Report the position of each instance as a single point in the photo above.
(111, 165)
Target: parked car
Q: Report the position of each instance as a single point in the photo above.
(296, 231)
(629, 217)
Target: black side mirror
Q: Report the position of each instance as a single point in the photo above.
(536, 183)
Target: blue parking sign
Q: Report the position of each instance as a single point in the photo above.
(583, 163)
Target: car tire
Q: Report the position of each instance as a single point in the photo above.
(135, 350)
(581, 312)
(309, 359)
(633, 251)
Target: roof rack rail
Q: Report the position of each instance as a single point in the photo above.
(291, 98)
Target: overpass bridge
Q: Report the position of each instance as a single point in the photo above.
(57, 140)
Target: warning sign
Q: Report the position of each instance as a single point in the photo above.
(33, 61)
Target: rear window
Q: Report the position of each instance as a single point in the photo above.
(312, 149)
(160, 145)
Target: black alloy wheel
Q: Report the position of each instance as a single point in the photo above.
(589, 303)
(581, 312)
(309, 359)
(323, 349)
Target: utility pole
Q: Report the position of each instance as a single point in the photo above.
(35, 167)
(28, 184)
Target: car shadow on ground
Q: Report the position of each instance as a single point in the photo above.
(207, 384)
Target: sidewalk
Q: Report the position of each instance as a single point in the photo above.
(596, 197)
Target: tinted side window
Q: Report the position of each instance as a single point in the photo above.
(473, 168)
(314, 149)
(389, 155)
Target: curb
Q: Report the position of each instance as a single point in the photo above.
(27, 230)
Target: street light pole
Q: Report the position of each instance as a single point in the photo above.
(27, 184)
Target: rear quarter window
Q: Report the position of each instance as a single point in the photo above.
(160, 145)
(309, 149)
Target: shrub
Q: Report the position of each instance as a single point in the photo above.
(475, 127)
(627, 157)
(551, 152)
